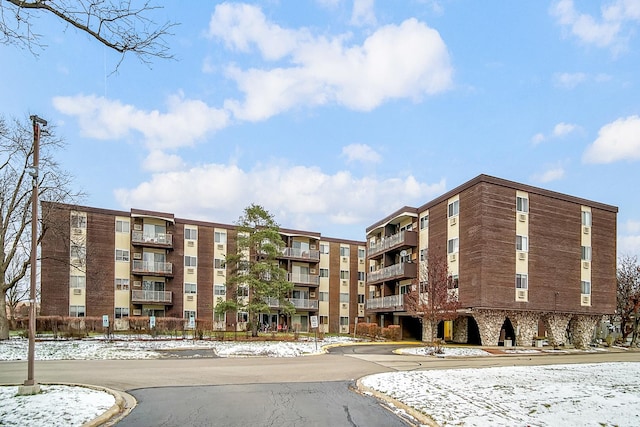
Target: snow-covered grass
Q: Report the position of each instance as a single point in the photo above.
(606, 394)
(446, 351)
(56, 405)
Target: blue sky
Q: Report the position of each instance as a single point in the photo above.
(332, 114)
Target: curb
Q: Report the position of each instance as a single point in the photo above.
(123, 405)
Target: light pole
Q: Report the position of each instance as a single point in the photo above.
(30, 386)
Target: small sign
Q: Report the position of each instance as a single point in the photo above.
(105, 321)
(152, 322)
(314, 321)
(192, 322)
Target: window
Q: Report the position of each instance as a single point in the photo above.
(190, 234)
(454, 208)
(344, 297)
(344, 274)
(423, 254)
(452, 246)
(344, 321)
(243, 316)
(220, 237)
(522, 281)
(219, 317)
(586, 218)
(405, 258)
(453, 282)
(243, 291)
(324, 320)
(586, 253)
(121, 312)
(78, 251)
(522, 204)
(324, 272)
(122, 284)
(190, 288)
(77, 282)
(424, 222)
(122, 255)
(522, 243)
(190, 261)
(76, 311)
(219, 263)
(324, 248)
(361, 253)
(360, 298)
(220, 290)
(324, 296)
(344, 251)
(360, 275)
(188, 314)
(122, 226)
(585, 287)
(78, 220)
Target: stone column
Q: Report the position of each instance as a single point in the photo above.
(461, 330)
(426, 331)
(489, 324)
(525, 324)
(582, 329)
(556, 326)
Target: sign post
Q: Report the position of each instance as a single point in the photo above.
(314, 325)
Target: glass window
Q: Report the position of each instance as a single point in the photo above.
(585, 287)
(243, 291)
(452, 246)
(78, 251)
(522, 281)
(243, 316)
(361, 253)
(77, 282)
(191, 234)
(189, 314)
(453, 281)
(190, 261)
(121, 312)
(219, 317)
(218, 263)
(522, 243)
(76, 311)
(122, 226)
(360, 298)
(324, 248)
(423, 254)
(522, 204)
(220, 237)
(122, 255)
(190, 288)
(324, 320)
(586, 253)
(324, 272)
(344, 297)
(122, 284)
(220, 290)
(344, 321)
(344, 251)
(78, 220)
(454, 208)
(324, 296)
(360, 275)
(586, 218)
(344, 274)
(424, 222)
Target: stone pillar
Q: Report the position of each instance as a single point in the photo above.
(426, 331)
(556, 326)
(461, 330)
(525, 324)
(489, 324)
(582, 330)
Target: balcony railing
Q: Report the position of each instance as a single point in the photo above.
(161, 239)
(162, 297)
(301, 254)
(304, 279)
(407, 238)
(391, 301)
(301, 303)
(403, 269)
(165, 268)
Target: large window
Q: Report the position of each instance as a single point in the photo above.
(585, 287)
(122, 226)
(220, 237)
(454, 208)
(522, 243)
(360, 275)
(360, 298)
(424, 222)
(78, 220)
(324, 248)
(344, 274)
(586, 218)
(452, 246)
(344, 297)
(586, 253)
(324, 296)
(324, 272)
(361, 253)
(77, 282)
(522, 204)
(344, 321)
(190, 288)
(190, 261)
(122, 255)
(76, 311)
(344, 251)
(191, 234)
(522, 281)
(121, 312)
(122, 284)
(220, 290)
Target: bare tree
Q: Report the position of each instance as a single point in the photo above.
(434, 295)
(628, 296)
(16, 156)
(122, 25)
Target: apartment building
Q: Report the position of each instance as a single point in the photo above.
(523, 262)
(98, 262)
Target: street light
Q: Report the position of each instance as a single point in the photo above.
(30, 386)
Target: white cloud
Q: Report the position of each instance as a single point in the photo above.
(361, 153)
(554, 173)
(629, 245)
(606, 31)
(185, 121)
(562, 129)
(619, 140)
(158, 161)
(538, 138)
(409, 60)
(569, 80)
(363, 13)
(632, 227)
(301, 197)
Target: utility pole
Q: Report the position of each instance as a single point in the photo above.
(30, 385)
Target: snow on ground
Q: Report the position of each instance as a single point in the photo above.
(447, 351)
(56, 405)
(606, 394)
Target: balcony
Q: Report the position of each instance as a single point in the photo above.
(152, 268)
(403, 239)
(403, 270)
(301, 254)
(304, 279)
(393, 302)
(298, 303)
(158, 240)
(151, 297)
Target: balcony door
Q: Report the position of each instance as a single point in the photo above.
(150, 232)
